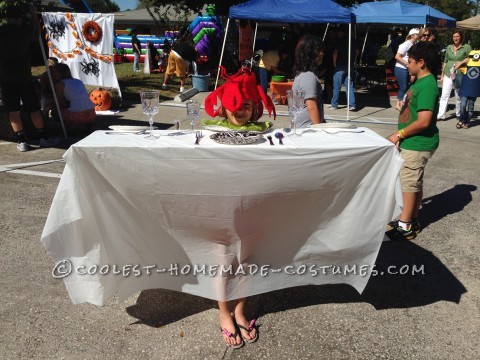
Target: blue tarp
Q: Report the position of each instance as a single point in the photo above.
(401, 13)
(292, 11)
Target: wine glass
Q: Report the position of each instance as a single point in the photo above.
(296, 105)
(193, 111)
(150, 107)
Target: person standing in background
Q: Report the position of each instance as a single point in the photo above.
(269, 65)
(153, 53)
(15, 73)
(340, 64)
(179, 60)
(456, 57)
(137, 50)
(401, 72)
(327, 65)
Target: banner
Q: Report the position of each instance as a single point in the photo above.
(245, 40)
(85, 43)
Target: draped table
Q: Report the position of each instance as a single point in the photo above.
(220, 221)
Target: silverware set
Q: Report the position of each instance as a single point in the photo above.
(198, 136)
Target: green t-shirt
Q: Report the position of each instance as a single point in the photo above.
(423, 95)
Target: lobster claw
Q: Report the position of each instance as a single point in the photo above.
(238, 87)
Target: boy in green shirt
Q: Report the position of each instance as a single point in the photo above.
(417, 136)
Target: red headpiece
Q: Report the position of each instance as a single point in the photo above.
(238, 87)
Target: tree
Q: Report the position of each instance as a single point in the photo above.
(103, 6)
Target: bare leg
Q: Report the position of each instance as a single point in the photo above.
(226, 322)
(37, 119)
(165, 79)
(242, 320)
(16, 121)
(409, 203)
(182, 81)
(418, 203)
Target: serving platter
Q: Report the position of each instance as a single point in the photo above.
(266, 126)
(236, 137)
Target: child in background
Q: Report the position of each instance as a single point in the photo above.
(417, 136)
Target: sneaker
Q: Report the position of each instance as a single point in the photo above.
(333, 108)
(164, 87)
(45, 143)
(416, 226)
(22, 147)
(352, 108)
(182, 89)
(396, 232)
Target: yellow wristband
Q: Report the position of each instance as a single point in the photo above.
(402, 133)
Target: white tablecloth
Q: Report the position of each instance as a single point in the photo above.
(126, 209)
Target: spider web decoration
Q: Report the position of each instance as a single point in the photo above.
(91, 63)
(57, 29)
(91, 67)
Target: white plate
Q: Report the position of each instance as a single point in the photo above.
(336, 131)
(129, 128)
(334, 125)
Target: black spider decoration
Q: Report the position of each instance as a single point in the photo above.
(57, 29)
(91, 67)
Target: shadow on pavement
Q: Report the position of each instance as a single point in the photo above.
(435, 207)
(429, 282)
(159, 307)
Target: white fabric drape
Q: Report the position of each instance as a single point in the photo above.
(319, 200)
(90, 62)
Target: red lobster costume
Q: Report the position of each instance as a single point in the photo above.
(238, 87)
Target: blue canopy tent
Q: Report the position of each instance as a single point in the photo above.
(290, 11)
(401, 12)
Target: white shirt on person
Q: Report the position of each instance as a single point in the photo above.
(403, 49)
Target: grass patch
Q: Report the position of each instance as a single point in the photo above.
(132, 83)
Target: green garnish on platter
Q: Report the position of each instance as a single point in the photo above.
(250, 126)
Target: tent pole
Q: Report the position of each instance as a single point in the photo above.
(254, 39)
(348, 71)
(223, 49)
(50, 79)
(325, 34)
(364, 42)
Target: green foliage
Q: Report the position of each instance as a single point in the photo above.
(16, 9)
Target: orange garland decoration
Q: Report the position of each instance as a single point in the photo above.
(92, 31)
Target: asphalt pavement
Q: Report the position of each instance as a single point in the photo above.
(430, 314)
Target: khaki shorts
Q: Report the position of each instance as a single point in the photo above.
(411, 174)
(176, 65)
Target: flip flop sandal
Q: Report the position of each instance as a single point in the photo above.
(465, 126)
(251, 326)
(459, 125)
(234, 335)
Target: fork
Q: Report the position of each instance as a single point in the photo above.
(198, 136)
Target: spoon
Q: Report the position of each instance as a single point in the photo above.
(270, 139)
(279, 136)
